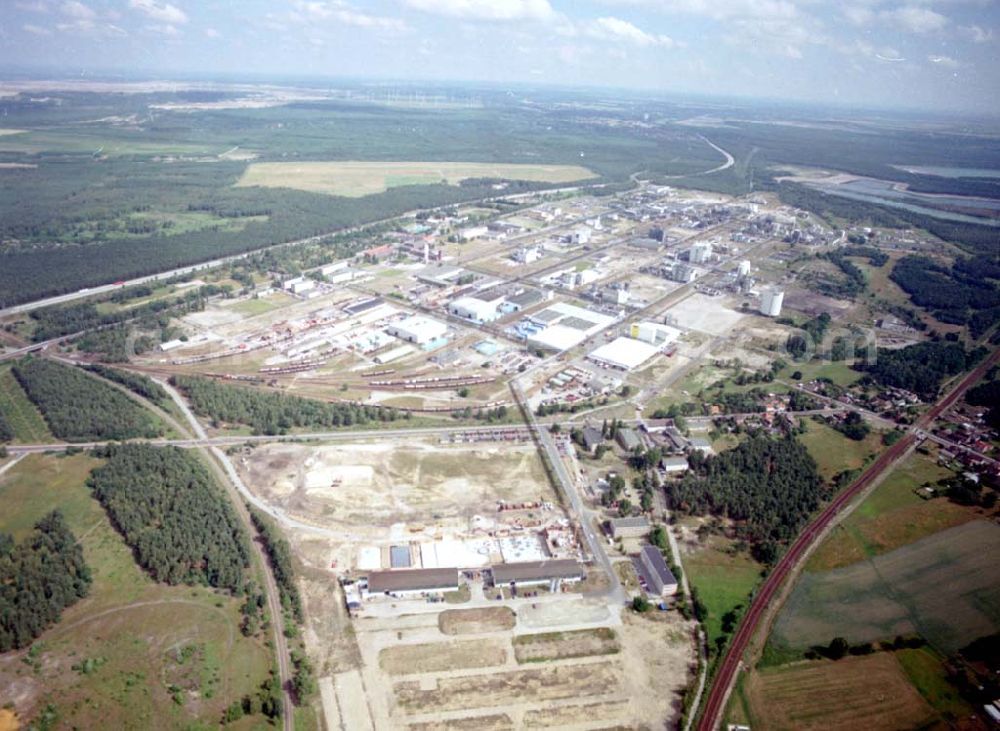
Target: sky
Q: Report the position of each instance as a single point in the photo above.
(940, 55)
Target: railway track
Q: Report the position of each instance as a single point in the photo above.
(729, 667)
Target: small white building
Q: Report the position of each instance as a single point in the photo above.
(580, 236)
(300, 285)
(418, 329)
(472, 232)
(336, 266)
(474, 309)
(654, 333)
(527, 254)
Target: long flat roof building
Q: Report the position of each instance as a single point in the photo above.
(623, 353)
(659, 578)
(409, 581)
(538, 572)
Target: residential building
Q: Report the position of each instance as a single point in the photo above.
(659, 578)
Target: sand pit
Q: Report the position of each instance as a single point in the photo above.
(395, 487)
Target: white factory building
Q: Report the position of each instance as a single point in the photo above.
(744, 268)
(623, 354)
(299, 285)
(580, 236)
(770, 301)
(418, 329)
(475, 310)
(565, 325)
(527, 254)
(472, 232)
(701, 252)
(654, 333)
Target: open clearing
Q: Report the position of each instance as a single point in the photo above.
(491, 722)
(143, 637)
(366, 488)
(475, 621)
(868, 693)
(561, 645)
(354, 178)
(437, 656)
(834, 452)
(945, 587)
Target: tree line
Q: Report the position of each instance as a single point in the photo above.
(768, 486)
(267, 412)
(39, 578)
(176, 520)
(919, 368)
(6, 430)
(967, 293)
(280, 554)
(135, 382)
(80, 408)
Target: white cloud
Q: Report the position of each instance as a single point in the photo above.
(164, 13)
(39, 6)
(341, 12)
(36, 30)
(976, 34)
(720, 9)
(914, 19)
(858, 14)
(76, 9)
(486, 9)
(944, 61)
(212, 33)
(616, 30)
(164, 29)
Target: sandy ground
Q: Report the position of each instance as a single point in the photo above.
(391, 490)
(704, 313)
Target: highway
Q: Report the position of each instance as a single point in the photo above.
(728, 668)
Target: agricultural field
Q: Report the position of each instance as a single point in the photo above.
(892, 516)
(871, 693)
(945, 587)
(353, 179)
(22, 415)
(133, 653)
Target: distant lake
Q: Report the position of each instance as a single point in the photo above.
(984, 211)
(946, 172)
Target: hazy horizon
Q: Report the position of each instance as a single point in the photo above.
(919, 55)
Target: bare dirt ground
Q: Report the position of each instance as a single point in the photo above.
(365, 489)
(436, 656)
(475, 621)
(562, 645)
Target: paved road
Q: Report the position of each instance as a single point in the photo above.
(731, 663)
(567, 484)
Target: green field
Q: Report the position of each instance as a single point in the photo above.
(723, 580)
(834, 452)
(354, 179)
(839, 372)
(891, 517)
(926, 672)
(946, 587)
(28, 425)
(145, 654)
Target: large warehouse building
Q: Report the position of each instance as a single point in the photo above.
(401, 582)
(533, 573)
(418, 329)
(623, 354)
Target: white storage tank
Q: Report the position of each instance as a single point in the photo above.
(770, 302)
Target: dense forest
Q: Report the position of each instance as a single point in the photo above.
(80, 408)
(39, 577)
(966, 293)
(267, 412)
(280, 554)
(177, 521)
(52, 322)
(769, 487)
(6, 430)
(987, 394)
(919, 368)
(135, 382)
